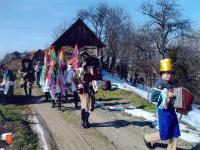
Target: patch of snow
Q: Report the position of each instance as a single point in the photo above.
(190, 137)
(141, 113)
(142, 93)
(115, 108)
(39, 130)
(193, 117)
(98, 104)
(131, 107)
(182, 126)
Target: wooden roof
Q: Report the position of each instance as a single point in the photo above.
(79, 33)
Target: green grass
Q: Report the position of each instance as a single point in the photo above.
(120, 94)
(17, 115)
(24, 137)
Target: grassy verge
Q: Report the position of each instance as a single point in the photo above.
(16, 122)
(120, 94)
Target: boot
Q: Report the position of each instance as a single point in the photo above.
(59, 101)
(47, 96)
(87, 124)
(83, 118)
(25, 90)
(53, 103)
(30, 91)
(76, 99)
(66, 96)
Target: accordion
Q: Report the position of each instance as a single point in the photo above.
(183, 100)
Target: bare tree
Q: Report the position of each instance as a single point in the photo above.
(165, 23)
(97, 17)
(59, 30)
(119, 33)
(109, 24)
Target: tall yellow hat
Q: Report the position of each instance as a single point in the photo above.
(165, 65)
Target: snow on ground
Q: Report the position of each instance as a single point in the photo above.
(116, 108)
(193, 117)
(39, 130)
(186, 133)
(141, 113)
(190, 137)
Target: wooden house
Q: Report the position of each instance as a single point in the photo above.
(35, 56)
(79, 33)
(38, 56)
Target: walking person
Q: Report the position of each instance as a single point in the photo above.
(38, 70)
(27, 77)
(72, 83)
(8, 83)
(167, 119)
(86, 94)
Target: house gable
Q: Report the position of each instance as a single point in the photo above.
(79, 33)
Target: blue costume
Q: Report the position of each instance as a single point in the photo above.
(168, 122)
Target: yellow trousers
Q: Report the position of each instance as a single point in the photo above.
(155, 137)
(86, 101)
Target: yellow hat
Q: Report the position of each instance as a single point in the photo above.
(165, 65)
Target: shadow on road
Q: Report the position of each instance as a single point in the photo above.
(163, 145)
(122, 123)
(21, 100)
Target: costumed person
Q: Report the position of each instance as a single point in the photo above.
(85, 93)
(162, 93)
(44, 78)
(56, 76)
(38, 70)
(94, 67)
(72, 83)
(27, 72)
(97, 80)
(73, 77)
(8, 83)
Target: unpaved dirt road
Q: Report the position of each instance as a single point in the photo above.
(109, 131)
(69, 135)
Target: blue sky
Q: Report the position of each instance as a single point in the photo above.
(29, 24)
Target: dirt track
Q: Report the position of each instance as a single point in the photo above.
(109, 131)
(68, 134)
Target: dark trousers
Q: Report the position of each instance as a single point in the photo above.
(46, 94)
(38, 78)
(76, 98)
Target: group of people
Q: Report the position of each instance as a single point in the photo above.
(27, 75)
(56, 78)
